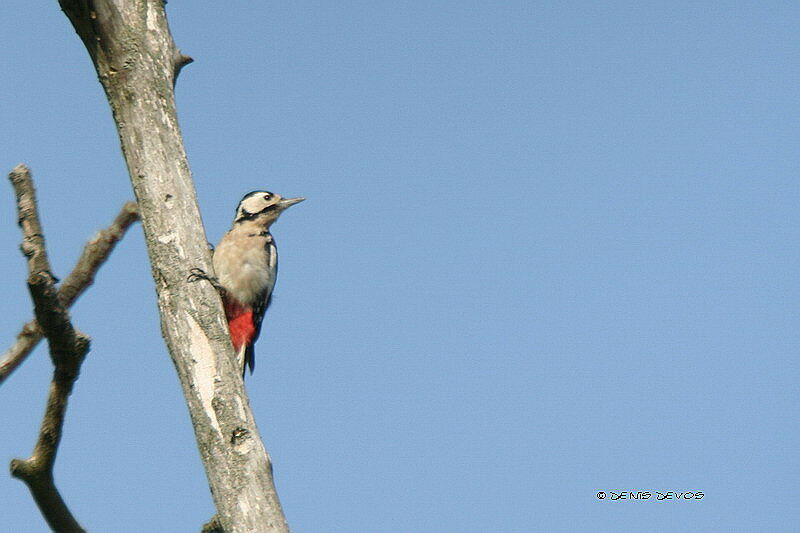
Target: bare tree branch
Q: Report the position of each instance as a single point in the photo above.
(68, 347)
(95, 253)
(137, 62)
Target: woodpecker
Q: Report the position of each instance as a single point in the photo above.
(246, 265)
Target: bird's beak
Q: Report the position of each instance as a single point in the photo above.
(288, 202)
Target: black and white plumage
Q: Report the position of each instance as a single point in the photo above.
(246, 266)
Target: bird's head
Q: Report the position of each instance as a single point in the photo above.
(263, 206)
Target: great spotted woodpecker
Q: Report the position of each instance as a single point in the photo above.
(246, 265)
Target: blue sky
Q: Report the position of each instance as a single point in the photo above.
(548, 249)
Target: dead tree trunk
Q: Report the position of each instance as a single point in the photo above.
(137, 63)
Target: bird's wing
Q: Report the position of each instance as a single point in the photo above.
(262, 303)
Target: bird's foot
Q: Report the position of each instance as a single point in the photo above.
(198, 274)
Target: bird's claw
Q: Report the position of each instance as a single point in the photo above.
(197, 274)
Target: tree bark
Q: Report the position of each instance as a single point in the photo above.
(137, 63)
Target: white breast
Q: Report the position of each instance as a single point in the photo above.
(246, 265)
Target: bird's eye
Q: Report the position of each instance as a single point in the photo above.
(268, 197)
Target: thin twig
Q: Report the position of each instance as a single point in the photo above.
(68, 347)
(95, 253)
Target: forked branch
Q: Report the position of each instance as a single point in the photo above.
(68, 347)
(95, 253)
